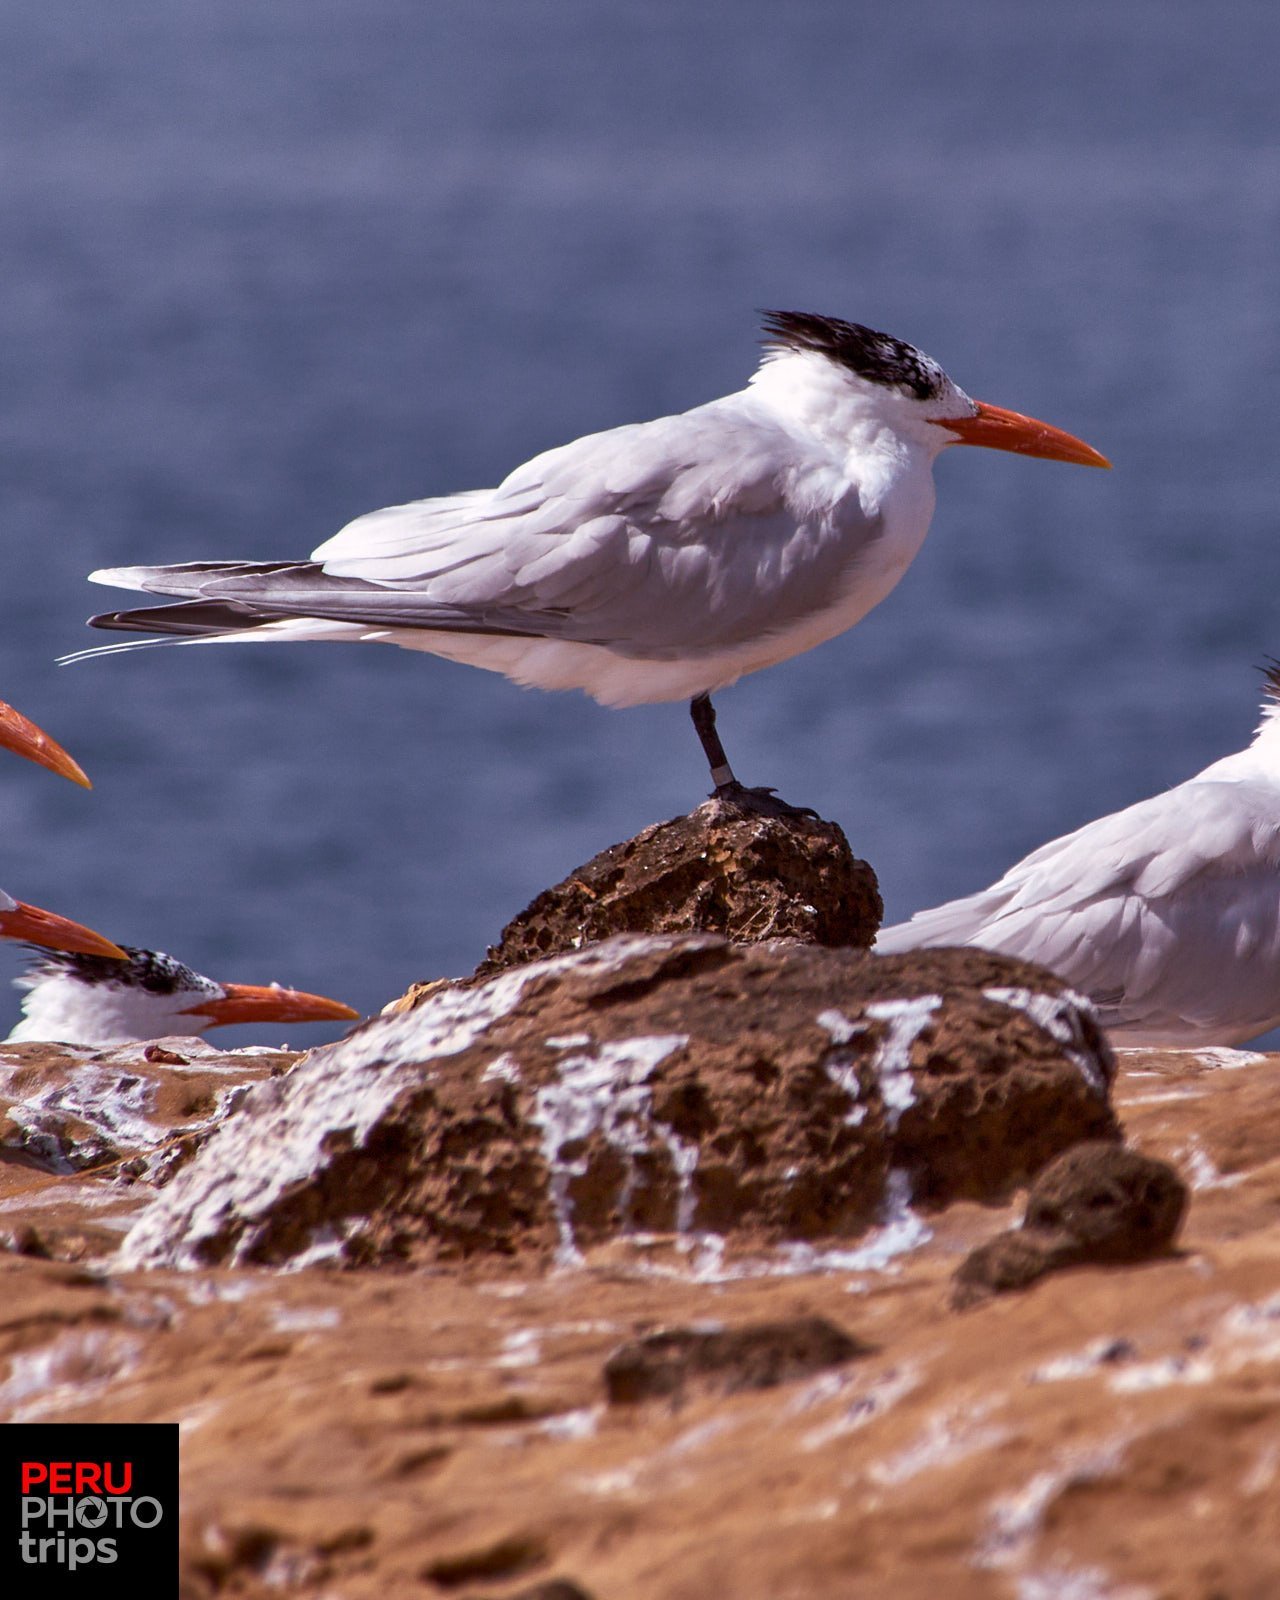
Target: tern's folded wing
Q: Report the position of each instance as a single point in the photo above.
(658, 540)
(1148, 853)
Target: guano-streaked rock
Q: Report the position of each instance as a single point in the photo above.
(770, 1093)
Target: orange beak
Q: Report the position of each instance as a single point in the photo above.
(55, 933)
(999, 429)
(246, 1002)
(19, 735)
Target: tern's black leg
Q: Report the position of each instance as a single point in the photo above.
(763, 802)
(704, 721)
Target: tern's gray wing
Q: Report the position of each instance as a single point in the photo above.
(659, 539)
(1169, 909)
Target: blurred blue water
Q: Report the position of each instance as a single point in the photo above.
(266, 267)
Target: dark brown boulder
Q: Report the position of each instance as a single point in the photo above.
(504, 1558)
(551, 1589)
(767, 1093)
(1099, 1203)
(718, 870)
(677, 1362)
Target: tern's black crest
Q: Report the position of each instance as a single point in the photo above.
(877, 357)
(1271, 678)
(151, 970)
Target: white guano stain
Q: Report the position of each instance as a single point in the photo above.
(1107, 1351)
(947, 1437)
(1016, 1519)
(1227, 1060)
(605, 1092)
(1246, 1335)
(1060, 1582)
(907, 1020)
(1201, 1170)
(113, 1105)
(876, 1394)
(1160, 1374)
(839, 1026)
(504, 1067)
(842, 1072)
(840, 1066)
(338, 1092)
(78, 1366)
(583, 1423)
(1059, 1016)
(304, 1319)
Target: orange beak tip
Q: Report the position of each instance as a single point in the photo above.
(52, 932)
(24, 738)
(252, 1003)
(998, 429)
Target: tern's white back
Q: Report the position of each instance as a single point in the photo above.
(1166, 914)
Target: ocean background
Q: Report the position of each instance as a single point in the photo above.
(268, 266)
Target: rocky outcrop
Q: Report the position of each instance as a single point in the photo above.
(717, 870)
(685, 1207)
(1095, 1203)
(1107, 1431)
(677, 1363)
(67, 1108)
(770, 1093)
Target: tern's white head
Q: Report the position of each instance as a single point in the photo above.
(92, 1000)
(872, 390)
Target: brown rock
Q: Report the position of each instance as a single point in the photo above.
(676, 1361)
(504, 1558)
(552, 1589)
(771, 1092)
(1096, 1203)
(1118, 1205)
(1114, 1433)
(718, 870)
(69, 1109)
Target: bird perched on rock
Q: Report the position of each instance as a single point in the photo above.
(656, 561)
(1166, 914)
(84, 999)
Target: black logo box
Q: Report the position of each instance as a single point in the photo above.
(120, 1525)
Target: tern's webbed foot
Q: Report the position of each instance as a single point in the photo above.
(760, 802)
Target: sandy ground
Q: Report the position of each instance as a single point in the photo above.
(1108, 1434)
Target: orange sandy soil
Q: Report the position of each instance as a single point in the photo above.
(1108, 1434)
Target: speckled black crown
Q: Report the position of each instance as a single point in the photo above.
(151, 970)
(877, 357)
(1270, 670)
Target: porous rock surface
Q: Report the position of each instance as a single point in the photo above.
(770, 1093)
(1109, 1432)
(67, 1108)
(130, 1113)
(717, 870)
(1095, 1202)
(675, 1363)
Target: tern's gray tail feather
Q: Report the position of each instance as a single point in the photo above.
(234, 597)
(187, 619)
